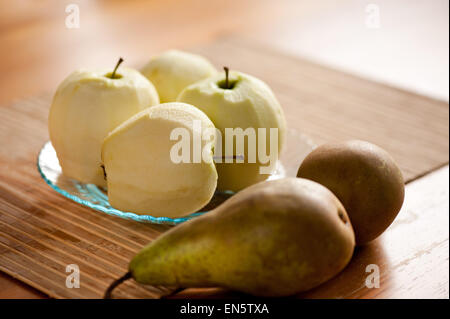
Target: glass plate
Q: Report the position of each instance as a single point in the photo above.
(296, 149)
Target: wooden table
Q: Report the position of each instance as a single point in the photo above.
(412, 255)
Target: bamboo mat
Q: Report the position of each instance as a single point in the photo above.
(42, 232)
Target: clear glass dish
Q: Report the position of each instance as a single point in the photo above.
(296, 149)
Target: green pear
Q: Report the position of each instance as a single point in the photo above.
(366, 180)
(275, 238)
(235, 100)
(142, 175)
(173, 70)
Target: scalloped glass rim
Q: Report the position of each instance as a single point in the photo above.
(92, 196)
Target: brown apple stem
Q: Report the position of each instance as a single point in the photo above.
(114, 284)
(104, 171)
(226, 77)
(113, 74)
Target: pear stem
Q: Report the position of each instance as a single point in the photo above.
(115, 283)
(172, 293)
(226, 77)
(113, 74)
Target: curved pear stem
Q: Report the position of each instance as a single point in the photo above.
(115, 283)
(173, 292)
(113, 74)
(226, 76)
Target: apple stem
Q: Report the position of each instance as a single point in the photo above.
(115, 69)
(226, 76)
(104, 171)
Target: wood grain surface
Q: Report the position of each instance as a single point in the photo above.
(42, 232)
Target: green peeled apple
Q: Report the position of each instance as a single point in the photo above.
(142, 175)
(236, 100)
(173, 70)
(88, 105)
(366, 180)
(275, 238)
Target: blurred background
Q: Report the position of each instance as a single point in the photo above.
(400, 42)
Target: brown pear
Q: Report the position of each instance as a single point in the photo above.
(366, 180)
